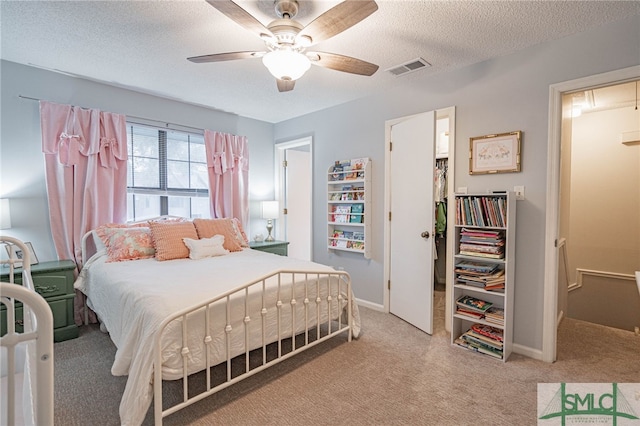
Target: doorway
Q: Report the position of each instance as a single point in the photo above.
(294, 192)
(600, 191)
(554, 290)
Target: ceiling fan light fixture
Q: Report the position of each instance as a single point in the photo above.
(286, 64)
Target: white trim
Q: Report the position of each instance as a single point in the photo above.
(573, 286)
(550, 296)
(593, 273)
(527, 351)
(375, 306)
(280, 148)
(450, 112)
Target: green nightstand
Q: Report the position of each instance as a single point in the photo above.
(275, 247)
(53, 281)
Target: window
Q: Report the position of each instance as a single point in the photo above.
(167, 173)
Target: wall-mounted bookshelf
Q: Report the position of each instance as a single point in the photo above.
(349, 206)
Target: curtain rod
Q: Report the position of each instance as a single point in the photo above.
(151, 120)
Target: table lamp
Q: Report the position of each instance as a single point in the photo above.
(270, 211)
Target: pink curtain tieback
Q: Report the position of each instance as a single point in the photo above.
(219, 163)
(69, 149)
(107, 153)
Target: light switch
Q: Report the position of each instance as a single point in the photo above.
(519, 190)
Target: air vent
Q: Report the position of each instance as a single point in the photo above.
(411, 66)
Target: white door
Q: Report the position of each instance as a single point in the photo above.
(412, 165)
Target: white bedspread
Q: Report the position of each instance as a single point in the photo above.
(133, 298)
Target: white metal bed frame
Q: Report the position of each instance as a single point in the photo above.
(38, 327)
(312, 278)
(331, 327)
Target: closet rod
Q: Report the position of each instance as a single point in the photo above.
(149, 120)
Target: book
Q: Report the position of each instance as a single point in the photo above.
(358, 163)
(473, 304)
(357, 211)
(465, 344)
(341, 213)
(336, 173)
(357, 245)
(487, 330)
(469, 313)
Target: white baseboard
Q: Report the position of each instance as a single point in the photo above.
(527, 351)
(370, 305)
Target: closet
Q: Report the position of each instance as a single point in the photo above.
(440, 200)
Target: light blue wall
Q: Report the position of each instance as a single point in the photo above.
(501, 95)
(22, 162)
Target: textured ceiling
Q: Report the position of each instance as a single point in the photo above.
(143, 45)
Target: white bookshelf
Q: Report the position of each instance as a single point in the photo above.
(349, 206)
(469, 228)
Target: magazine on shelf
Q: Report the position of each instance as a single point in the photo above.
(341, 213)
(469, 313)
(473, 304)
(356, 213)
(487, 330)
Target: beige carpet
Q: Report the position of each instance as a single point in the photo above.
(393, 375)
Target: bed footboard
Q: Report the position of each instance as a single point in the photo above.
(258, 325)
(27, 355)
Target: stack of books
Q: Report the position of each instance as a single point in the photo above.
(482, 243)
(494, 315)
(472, 307)
(484, 339)
(487, 276)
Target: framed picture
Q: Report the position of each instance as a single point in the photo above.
(495, 153)
(16, 253)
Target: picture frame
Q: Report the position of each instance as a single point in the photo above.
(498, 153)
(16, 253)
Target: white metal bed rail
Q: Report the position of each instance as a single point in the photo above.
(337, 300)
(37, 327)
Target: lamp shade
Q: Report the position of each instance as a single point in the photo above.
(286, 64)
(270, 210)
(5, 214)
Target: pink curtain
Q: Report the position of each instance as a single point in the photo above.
(85, 154)
(228, 165)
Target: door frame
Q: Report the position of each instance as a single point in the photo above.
(550, 297)
(440, 113)
(279, 183)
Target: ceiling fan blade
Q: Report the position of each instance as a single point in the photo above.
(240, 16)
(338, 19)
(285, 85)
(230, 56)
(342, 63)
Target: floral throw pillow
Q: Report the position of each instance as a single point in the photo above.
(127, 243)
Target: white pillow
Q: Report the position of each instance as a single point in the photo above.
(205, 247)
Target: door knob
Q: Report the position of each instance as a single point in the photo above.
(425, 234)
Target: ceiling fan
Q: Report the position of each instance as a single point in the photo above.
(287, 40)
